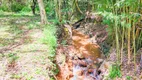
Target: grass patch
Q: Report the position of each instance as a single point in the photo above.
(5, 42)
(115, 72)
(50, 39)
(33, 25)
(128, 78)
(16, 14)
(14, 26)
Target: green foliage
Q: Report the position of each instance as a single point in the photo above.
(122, 17)
(115, 72)
(4, 8)
(16, 7)
(50, 9)
(54, 69)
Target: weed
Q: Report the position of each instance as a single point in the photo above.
(56, 71)
(38, 71)
(51, 78)
(13, 57)
(29, 77)
(64, 42)
(11, 54)
(115, 72)
(16, 76)
(128, 77)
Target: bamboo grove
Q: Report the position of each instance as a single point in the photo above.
(124, 18)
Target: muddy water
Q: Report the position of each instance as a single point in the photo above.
(82, 59)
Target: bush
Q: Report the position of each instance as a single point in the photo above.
(3, 7)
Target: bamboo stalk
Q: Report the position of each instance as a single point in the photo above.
(78, 7)
(123, 35)
(122, 40)
(129, 46)
(59, 10)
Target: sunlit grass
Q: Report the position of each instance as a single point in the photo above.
(14, 14)
(49, 38)
(6, 37)
(24, 26)
(115, 72)
(33, 25)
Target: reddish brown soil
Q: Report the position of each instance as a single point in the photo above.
(79, 60)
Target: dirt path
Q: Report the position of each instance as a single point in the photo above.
(23, 56)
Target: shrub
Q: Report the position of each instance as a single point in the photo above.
(4, 7)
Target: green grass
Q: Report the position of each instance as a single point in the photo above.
(128, 77)
(49, 38)
(115, 72)
(14, 26)
(14, 14)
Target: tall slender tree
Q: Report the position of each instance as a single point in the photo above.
(33, 6)
(42, 12)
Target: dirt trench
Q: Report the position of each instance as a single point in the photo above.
(81, 59)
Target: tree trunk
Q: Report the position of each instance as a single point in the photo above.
(33, 6)
(42, 12)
